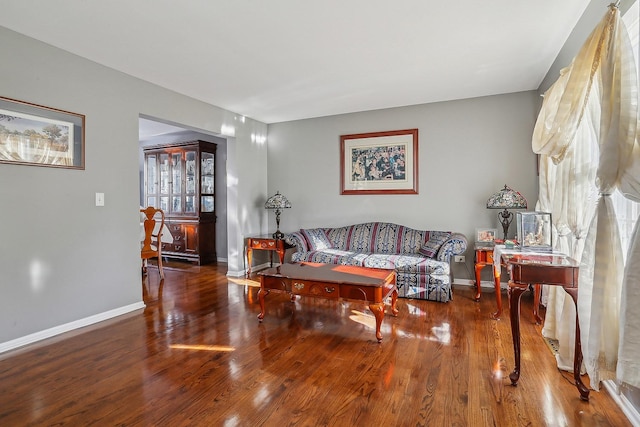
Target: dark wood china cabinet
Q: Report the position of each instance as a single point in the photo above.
(179, 178)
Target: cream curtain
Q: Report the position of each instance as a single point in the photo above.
(568, 191)
(595, 101)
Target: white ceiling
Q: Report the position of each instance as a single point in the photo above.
(148, 129)
(283, 60)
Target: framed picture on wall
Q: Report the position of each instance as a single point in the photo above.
(379, 162)
(35, 135)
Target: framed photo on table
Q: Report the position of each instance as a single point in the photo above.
(485, 235)
(379, 162)
(35, 135)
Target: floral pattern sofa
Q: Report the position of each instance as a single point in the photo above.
(421, 258)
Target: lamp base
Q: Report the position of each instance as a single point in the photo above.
(278, 235)
(505, 217)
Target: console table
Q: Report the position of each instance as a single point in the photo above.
(555, 269)
(498, 263)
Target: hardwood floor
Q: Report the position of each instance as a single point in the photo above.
(197, 356)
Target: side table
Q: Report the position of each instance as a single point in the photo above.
(265, 243)
(484, 258)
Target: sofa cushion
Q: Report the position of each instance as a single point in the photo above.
(431, 246)
(377, 237)
(331, 256)
(317, 239)
(361, 237)
(391, 261)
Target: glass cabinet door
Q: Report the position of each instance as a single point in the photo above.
(176, 182)
(207, 204)
(164, 173)
(164, 181)
(152, 174)
(207, 174)
(207, 169)
(164, 203)
(190, 181)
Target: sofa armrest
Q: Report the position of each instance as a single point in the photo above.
(455, 245)
(297, 239)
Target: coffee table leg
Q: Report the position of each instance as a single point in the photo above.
(378, 311)
(261, 294)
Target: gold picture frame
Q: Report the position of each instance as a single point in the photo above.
(36, 135)
(379, 162)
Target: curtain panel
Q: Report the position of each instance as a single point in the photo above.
(592, 110)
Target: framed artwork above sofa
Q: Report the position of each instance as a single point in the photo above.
(379, 162)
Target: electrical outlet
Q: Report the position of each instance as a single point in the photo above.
(459, 258)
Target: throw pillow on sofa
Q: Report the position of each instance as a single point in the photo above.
(317, 239)
(431, 246)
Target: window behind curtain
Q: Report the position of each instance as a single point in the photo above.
(627, 210)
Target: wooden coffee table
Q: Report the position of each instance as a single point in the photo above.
(332, 281)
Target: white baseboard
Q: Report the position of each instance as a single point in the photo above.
(67, 327)
(630, 411)
(242, 273)
(484, 284)
(239, 273)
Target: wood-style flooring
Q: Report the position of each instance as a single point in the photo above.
(197, 356)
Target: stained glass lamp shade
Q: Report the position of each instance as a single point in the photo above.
(277, 202)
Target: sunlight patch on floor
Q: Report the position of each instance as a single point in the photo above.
(363, 318)
(242, 281)
(441, 334)
(202, 347)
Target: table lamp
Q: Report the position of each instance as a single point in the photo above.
(277, 202)
(506, 198)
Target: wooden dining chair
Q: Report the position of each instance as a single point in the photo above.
(152, 243)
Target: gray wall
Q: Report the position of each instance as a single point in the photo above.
(467, 151)
(64, 261)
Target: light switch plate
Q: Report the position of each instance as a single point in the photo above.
(99, 199)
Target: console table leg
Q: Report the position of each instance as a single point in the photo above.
(537, 292)
(261, 294)
(577, 354)
(515, 292)
(249, 256)
(394, 300)
(496, 285)
(478, 269)
(378, 312)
